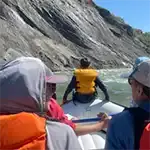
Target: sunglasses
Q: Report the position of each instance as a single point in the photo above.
(130, 80)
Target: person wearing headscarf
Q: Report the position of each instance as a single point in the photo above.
(23, 107)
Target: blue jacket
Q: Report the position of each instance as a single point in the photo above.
(120, 133)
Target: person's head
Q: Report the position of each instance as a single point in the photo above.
(50, 90)
(137, 61)
(84, 63)
(140, 81)
(25, 85)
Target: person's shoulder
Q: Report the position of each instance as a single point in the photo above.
(63, 137)
(124, 114)
(122, 117)
(120, 132)
(121, 124)
(52, 102)
(58, 126)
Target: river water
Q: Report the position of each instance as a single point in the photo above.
(118, 88)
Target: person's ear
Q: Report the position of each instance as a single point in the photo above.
(139, 90)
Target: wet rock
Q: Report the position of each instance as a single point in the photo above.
(60, 32)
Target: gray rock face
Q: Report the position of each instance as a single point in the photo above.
(60, 32)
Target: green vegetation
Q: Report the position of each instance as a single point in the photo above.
(120, 23)
(145, 38)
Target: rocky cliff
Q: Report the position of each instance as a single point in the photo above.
(60, 32)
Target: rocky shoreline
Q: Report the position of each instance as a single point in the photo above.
(60, 32)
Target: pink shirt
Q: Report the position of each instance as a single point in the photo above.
(55, 111)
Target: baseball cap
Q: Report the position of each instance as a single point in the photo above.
(141, 73)
(136, 63)
(53, 78)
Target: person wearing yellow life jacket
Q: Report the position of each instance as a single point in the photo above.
(23, 107)
(85, 81)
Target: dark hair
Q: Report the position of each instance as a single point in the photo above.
(84, 62)
(146, 91)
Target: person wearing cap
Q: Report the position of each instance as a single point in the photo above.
(23, 106)
(130, 129)
(85, 81)
(137, 61)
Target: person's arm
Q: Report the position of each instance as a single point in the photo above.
(70, 87)
(87, 129)
(102, 87)
(56, 112)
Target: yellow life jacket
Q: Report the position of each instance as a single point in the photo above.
(85, 80)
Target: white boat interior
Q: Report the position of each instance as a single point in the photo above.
(94, 141)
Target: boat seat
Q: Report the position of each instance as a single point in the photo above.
(91, 142)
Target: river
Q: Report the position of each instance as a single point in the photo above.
(118, 88)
